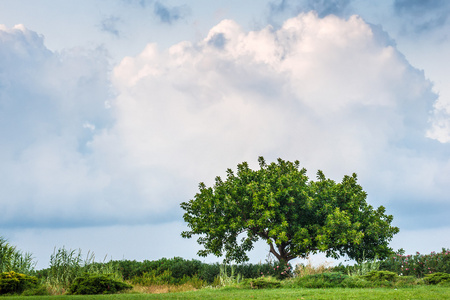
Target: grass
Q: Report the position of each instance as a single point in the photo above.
(417, 292)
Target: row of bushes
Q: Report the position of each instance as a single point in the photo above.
(417, 265)
(180, 268)
(337, 279)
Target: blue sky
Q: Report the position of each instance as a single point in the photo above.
(112, 112)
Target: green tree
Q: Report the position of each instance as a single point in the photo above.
(294, 215)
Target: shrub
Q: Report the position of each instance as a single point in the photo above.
(418, 265)
(40, 290)
(16, 283)
(437, 278)
(264, 283)
(97, 284)
(381, 276)
(323, 280)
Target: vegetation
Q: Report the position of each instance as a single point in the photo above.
(418, 265)
(15, 283)
(418, 292)
(89, 284)
(66, 265)
(178, 276)
(12, 259)
(294, 215)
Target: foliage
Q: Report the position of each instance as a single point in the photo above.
(265, 283)
(228, 280)
(308, 269)
(66, 265)
(40, 290)
(11, 259)
(182, 268)
(381, 276)
(15, 283)
(364, 267)
(91, 284)
(437, 278)
(418, 265)
(294, 215)
(425, 292)
(323, 280)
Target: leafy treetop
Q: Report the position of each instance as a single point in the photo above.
(294, 215)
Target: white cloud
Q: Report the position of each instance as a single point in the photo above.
(333, 93)
(45, 99)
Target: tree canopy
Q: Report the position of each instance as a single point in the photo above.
(294, 215)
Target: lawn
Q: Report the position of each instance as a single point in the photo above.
(417, 292)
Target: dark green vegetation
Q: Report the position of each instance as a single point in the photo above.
(15, 283)
(294, 215)
(89, 284)
(70, 274)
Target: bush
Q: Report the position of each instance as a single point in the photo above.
(437, 278)
(381, 276)
(41, 290)
(97, 284)
(16, 283)
(264, 283)
(418, 265)
(323, 280)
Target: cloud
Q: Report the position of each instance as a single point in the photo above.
(334, 93)
(141, 3)
(169, 14)
(46, 97)
(421, 16)
(323, 8)
(109, 25)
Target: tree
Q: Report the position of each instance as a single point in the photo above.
(294, 215)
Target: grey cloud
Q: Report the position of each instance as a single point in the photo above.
(322, 7)
(218, 40)
(110, 25)
(169, 14)
(326, 7)
(140, 3)
(421, 16)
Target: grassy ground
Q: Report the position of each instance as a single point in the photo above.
(418, 292)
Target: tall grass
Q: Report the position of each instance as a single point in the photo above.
(12, 259)
(364, 267)
(302, 270)
(66, 265)
(228, 280)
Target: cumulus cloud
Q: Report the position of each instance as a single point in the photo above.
(46, 98)
(334, 93)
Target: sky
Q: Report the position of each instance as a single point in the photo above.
(112, 113)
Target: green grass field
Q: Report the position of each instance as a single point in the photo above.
(418, 292)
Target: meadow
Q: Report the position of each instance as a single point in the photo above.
(71, 275)
(421, 292)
